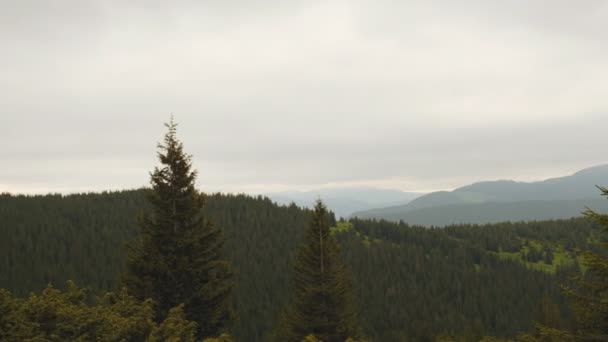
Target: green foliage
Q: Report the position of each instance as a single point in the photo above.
(126, 317)
(54, 315)
(310, 338)
(341, 227)
(323, 303)
(413, 283)
(492, 339)
(449, 281)
(541, 257)
(54, 238)
(589, 293)
(178, 257)
(313, 338)
(175, 328)
(221, 338)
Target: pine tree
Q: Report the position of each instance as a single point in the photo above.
(178, 256)
(323, 298)
(588, 294)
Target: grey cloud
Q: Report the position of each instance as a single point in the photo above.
(417, 95)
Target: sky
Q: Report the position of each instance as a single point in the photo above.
(301, 95)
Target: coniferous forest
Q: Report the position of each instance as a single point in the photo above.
(169, 263)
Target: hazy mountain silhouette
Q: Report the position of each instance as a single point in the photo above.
(503, 200)
(345, 201)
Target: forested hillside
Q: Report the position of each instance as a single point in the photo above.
(411, 283)
(83, 238)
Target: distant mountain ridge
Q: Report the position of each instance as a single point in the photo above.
(345, 201)
(503, 200)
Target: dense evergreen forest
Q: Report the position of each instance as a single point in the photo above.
(411, 283)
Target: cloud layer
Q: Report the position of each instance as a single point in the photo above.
(415, 95)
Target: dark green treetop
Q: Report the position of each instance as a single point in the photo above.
(178, 257)
(323, 299)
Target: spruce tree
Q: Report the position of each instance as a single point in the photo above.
(589, 292)
(323, 299)
(589, 295)
(177, 258)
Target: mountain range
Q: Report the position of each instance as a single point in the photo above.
(502, 200)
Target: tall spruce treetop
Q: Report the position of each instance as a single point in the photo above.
(323, 303)
(178, 256)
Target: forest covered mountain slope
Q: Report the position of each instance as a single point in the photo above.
(412, 283)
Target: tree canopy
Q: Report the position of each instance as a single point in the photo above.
(178, 256)
(322, 291)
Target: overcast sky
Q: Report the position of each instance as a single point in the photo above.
(276, 95)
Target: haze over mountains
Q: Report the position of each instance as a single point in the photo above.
(345, 201)
(503, 200)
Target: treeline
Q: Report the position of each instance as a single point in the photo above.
(411, 283)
